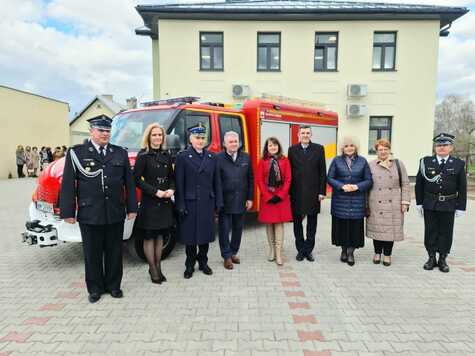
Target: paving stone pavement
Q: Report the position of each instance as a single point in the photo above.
(303, 308)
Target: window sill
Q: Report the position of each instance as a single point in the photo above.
(212, 70)
(269, 71)
(384, 70)
(326, 71)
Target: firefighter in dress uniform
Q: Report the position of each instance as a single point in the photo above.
(198, 196)
(98, 181)
(441, 195)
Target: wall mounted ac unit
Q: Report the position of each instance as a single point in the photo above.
(356, 110)
(357, 90)
(240, 91)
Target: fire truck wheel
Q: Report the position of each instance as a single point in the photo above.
(168, 245)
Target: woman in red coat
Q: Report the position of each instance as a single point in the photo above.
(273, 179)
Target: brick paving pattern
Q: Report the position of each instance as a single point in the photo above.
(303, 308)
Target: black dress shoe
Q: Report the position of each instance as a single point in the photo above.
(431, 263)
(117, 293)
(343, 257)
(206, 270)
(94, 297)
(310, 257)
(162, 278)
(188, 273)
(299, 257)
(443, 266)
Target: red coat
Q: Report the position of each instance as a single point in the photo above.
(280, 212)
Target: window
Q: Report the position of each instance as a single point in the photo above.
(379, 127)
(326, 51)
(184, 121)
(384, 51)
(268, 52)
(231, 123)
(211, 51)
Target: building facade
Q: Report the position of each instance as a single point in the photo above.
(373, 64)
(100, 105)
(29, 119)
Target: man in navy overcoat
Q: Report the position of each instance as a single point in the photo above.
(198, 196)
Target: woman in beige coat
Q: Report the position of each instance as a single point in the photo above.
(389, 200)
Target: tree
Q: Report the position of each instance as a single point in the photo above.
(456, 115)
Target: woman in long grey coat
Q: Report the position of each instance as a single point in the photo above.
(389, 200)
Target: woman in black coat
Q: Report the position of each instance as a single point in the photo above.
(154, 176)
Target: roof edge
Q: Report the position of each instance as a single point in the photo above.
(34, 94)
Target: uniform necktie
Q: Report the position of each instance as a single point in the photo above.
(102, 150)
(442, 163)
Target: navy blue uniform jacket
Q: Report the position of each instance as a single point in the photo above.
(453, 180)
(95, 205)
(198, 191)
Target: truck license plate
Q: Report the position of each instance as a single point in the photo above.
(44, 207)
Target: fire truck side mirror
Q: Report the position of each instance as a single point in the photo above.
(173, 142)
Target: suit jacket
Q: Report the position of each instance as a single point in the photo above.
(101, 200)
(237, 181)
(453, 180)
(309, 178)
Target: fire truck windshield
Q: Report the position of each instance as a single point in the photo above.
(128, 128)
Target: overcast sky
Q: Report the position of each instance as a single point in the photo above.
(72, 50)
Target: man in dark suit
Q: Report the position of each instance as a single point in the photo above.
(441, 195)
(237, 182)
(98, 190)
(307, 190)
(198, 196)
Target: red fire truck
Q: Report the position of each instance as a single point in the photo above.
(254, 121)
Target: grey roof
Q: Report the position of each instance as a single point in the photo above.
(294, 10)
(110, 104)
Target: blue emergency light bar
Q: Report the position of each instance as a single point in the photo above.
(171, 101)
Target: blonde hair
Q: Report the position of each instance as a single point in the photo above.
(349, 140)
(148, 132)
(382, 142)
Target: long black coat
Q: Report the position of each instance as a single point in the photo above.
(237, 181)
(452, 181)
(198, 191)
(309, 178)
(98, 203)
(153, 171)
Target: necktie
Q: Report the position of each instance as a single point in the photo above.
(102, 150)
(442, 164)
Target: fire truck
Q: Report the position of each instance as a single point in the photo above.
(254, 120)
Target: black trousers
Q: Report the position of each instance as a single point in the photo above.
(306, 246)
(102, 246)
(196, 253)
(439, 230)
(19, 170)
(230, 223)
(383, 246)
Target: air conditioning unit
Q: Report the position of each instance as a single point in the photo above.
(240, 91)
(356, 110)
(357, 90)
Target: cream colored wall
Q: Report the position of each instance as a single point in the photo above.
(80, 128)
(408, 94)
(29, 120)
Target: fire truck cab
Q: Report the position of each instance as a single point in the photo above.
(254, 121)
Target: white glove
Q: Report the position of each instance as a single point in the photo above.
(420, 210)
(459, 213)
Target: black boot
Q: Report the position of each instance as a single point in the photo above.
(431, 262)
(344, 255)
(351, 258)
(443, 266)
